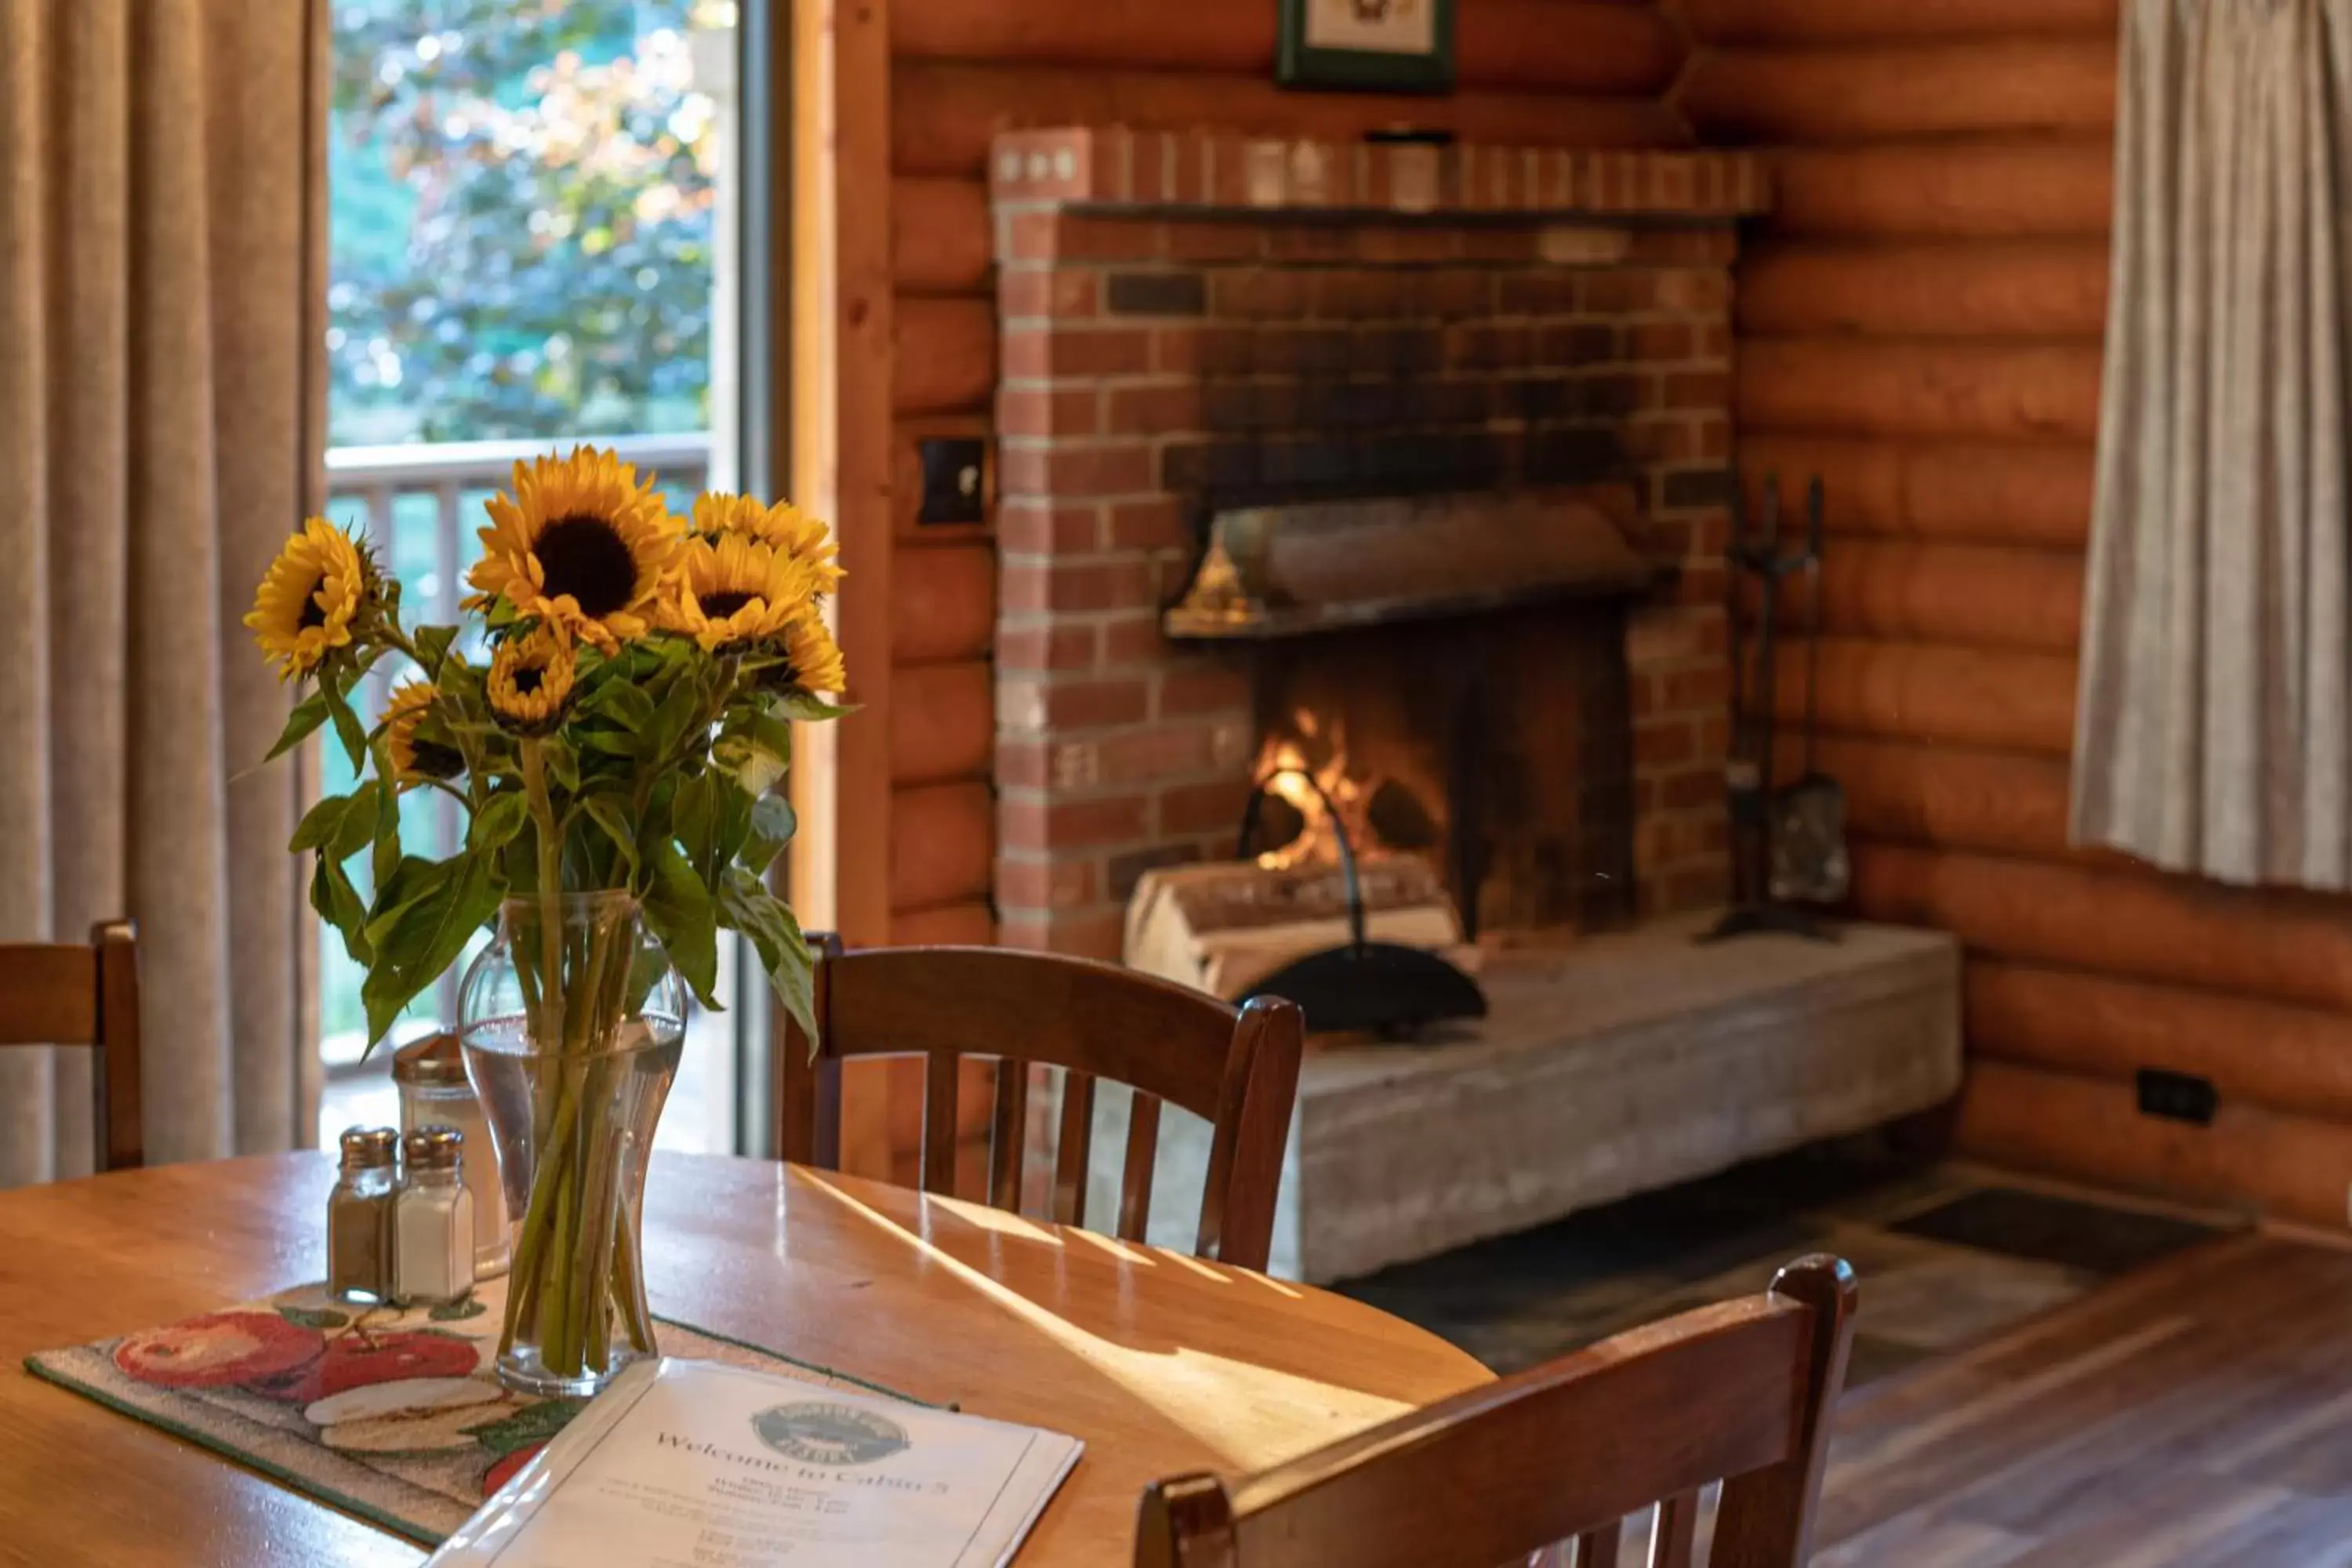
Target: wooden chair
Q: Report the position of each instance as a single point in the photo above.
(75, 994)
(1742, 1393)
(1237, 1068)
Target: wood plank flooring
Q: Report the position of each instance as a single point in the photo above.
(2195, 1411)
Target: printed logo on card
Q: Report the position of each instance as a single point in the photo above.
(820, 1434)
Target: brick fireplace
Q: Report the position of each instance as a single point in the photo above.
(1195, 324)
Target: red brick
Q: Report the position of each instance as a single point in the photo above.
(1093, 933)
(1028, 585)
(1176, 350)
(1390, 246)
(1163, 409)
(1202, 807)
(1059, 883)
(1653, 439)
(1715, 343)
(1664, 742)
(1715, 737)
(1049, 411)
(1044, 822)
(1150, 755)
(1691, 787)
(1258, 292)
(1131, 640)
(1068, 472)
(1090, 236)
(1205, 239)
(1613, 292)
(1061, 292)
(1032, 706)
(1047, 646)
(1038, 526)
(1155, 524)
(1502, 244)
(1061, 165)
(1654, 636)
(1664, 342)
(1022, 764)
(1308, 242)
(1203, 687)
(1031, 236)
(1702, 582)
(1701, 289)
(1713, 433)
(1698, 389)
(1703, 690)
(1030, 353)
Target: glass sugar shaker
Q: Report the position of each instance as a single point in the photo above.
(432, 1221)
(359, 1216)
(434, 1093)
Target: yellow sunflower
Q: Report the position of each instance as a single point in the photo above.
(312, 596)
(583, 543)
(815, 658)
(415, 760)
(531, 678)
(782, 527)
(735, 591)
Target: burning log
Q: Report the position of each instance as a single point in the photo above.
(1224, 927)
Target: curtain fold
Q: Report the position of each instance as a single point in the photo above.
(159, 376)
(2212, 734)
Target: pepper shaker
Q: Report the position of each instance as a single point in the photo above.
(433, 1222)
(359, 1216)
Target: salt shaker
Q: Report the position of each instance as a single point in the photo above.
(433, 1222)
(359, 1216)
(434, 1093)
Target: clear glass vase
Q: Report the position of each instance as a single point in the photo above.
(573, 1027)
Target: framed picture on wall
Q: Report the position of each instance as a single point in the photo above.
(1367, 46)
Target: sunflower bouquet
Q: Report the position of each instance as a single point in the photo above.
(614, 724)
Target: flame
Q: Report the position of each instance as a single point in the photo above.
(1285, 767)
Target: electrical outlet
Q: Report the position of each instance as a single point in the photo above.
(2178, 1097)
(955, 479)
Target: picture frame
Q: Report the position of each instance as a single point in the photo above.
(1366, 45)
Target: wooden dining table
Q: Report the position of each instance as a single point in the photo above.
(1161, 1362)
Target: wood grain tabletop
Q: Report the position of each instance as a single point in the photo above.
(1160, 1362)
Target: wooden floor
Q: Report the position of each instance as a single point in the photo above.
(2198, 1411)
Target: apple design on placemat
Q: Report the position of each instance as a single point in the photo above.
(219, 1350)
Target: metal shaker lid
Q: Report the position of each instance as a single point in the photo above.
(370, 1147)
(434, 1148)
(436, 1061)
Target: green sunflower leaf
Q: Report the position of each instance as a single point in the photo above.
(339, 905)
(500, 818)
(768, 923)
(301, 724)
(678, 908)
(432, 642)
(610, 815)
(426, 936)
(348, 728)
(810, 707)
(322, 824)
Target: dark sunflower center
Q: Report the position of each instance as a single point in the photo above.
(312, 614)
(718, 606)
(529, 678)
(436, 761)
(587, 558)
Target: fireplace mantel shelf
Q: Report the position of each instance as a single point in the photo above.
(1199, 173)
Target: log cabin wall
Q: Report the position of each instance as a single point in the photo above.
(1920, 322)
(1535, 72)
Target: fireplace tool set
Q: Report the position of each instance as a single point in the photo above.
(1788, 843)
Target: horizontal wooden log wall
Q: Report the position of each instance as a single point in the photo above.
(1921, 324)
(1548, 72)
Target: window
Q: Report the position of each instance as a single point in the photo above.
(528, 212)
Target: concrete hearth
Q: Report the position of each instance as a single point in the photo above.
(1624, 1063)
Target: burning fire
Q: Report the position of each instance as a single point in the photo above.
(1285, 765)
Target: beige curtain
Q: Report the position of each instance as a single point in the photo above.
(2212, 732)
(159, 177)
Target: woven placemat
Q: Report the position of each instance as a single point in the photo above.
(390, 1415)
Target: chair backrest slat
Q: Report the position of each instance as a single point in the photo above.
(940, 1121)
(1073, 1146)
(1731, 1393)
(1008, 1134)
(1135, 1176)
(1236, 1069)
(76, 993)
(1598, 1548)
(1673, 1531)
